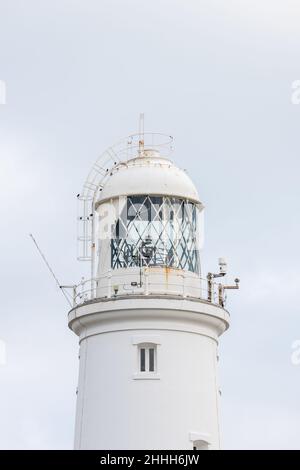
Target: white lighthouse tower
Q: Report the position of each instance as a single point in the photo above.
(148, 324)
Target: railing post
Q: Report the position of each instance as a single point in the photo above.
(74, 295)
(109, 284)
(209, 287)
(220, 295)
(146, 274)
(183, 284)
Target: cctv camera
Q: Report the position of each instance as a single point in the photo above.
(223, 265)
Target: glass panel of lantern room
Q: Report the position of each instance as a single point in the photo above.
(156, 231)
(138, 218)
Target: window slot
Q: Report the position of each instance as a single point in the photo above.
(143, 359)
(147, 358)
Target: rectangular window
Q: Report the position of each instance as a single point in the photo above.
(143, 359)
(147, 358)
(151, 360)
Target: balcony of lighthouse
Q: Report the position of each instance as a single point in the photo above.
(151, 282)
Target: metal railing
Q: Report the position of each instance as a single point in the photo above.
(184, 285)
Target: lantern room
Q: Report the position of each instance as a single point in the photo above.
(148, 222)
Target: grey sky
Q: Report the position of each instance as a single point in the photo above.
(217, 76)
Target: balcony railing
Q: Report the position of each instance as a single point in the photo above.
(146, 283)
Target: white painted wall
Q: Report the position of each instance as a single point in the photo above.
(117, 411)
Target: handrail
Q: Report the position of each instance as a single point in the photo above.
(114, 284)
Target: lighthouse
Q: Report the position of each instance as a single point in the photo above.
(148, 320)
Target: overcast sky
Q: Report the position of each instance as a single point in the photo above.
(218, 76)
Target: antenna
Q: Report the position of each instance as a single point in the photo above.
(221, 287)
(141, 133)
(50, 269)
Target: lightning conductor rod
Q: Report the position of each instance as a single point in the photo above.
(50, 269)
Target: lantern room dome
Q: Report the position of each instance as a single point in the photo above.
(148, 173)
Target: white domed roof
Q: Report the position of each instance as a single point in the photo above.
(150, 174)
